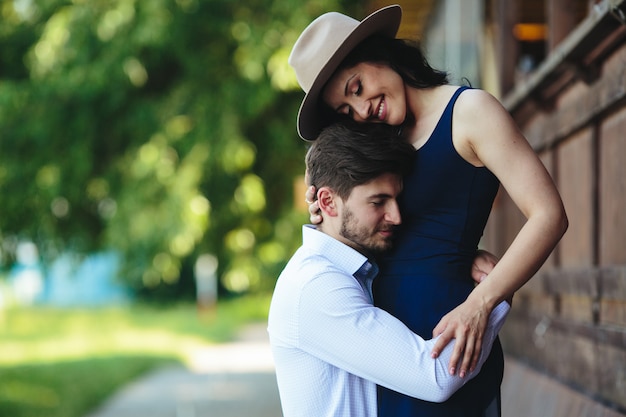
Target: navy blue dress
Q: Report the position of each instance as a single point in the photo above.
(445, 205)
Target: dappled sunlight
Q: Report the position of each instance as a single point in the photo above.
(249, 65)
(244, 275)
(240, 240)
(249, 68)
(147, 157)
(182, 244)
(137, 129)
(282, 76)
(114, 19)
(236, 280)
(250, 195)
(199, 205)
(97, 189)
(48, 176)
(60, 207)
(49, 50)
(178, 126)
(238, 156)
(136, 72)
(29, 393)
(167, 266)
(40, 335)
(240, 30)
(185, 215)
(232, 357)
(272, 252)
(119, 342)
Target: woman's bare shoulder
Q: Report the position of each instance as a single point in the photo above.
(480, 120)
(480, 109)
(474, 98)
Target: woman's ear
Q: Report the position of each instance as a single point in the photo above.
(327, 201)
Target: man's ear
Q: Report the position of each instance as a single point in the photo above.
(327, 200)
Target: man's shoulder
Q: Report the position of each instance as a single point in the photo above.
(310, 263)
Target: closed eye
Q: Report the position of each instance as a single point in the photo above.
(353, 87)
(358, 88)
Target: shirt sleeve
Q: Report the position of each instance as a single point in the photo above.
(339, 325)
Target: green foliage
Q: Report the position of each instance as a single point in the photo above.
(65, 362)
(67, 389)
(161, 128)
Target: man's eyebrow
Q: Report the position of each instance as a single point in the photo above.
(379, 196)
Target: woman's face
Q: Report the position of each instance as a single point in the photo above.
(367, 92)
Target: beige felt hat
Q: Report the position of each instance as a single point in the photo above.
(320, 49)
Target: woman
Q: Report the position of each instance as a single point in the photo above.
(466, 145)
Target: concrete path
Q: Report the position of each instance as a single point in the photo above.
(229, 380)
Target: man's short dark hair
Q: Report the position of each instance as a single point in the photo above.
(348, 154)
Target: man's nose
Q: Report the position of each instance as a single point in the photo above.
(393, 214)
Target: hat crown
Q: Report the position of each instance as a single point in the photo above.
(322, 47)
(317, 44)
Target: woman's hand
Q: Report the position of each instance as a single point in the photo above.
(314, 209)
(483, 265)
(467, 324)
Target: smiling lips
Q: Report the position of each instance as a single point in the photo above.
(387, 232)
(381, 109)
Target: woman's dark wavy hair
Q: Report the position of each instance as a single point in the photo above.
(403, 56)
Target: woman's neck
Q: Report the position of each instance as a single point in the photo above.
(424, 109)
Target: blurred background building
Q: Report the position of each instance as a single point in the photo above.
(559, 67)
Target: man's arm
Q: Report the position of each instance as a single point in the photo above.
(340, 326)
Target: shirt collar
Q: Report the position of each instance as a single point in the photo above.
(367, 271)
(341, 255)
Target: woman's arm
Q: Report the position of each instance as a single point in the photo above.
(485, 134)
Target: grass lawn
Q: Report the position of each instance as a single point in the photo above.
(65, 362)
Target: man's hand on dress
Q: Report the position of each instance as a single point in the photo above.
(484, 262)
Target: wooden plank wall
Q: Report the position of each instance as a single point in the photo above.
(565, 339)
(568, 324)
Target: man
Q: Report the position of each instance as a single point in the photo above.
(331, 346)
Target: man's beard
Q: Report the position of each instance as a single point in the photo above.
(369, 240)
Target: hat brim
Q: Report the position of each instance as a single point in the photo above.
(311, 117)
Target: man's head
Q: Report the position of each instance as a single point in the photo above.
(357, 171)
